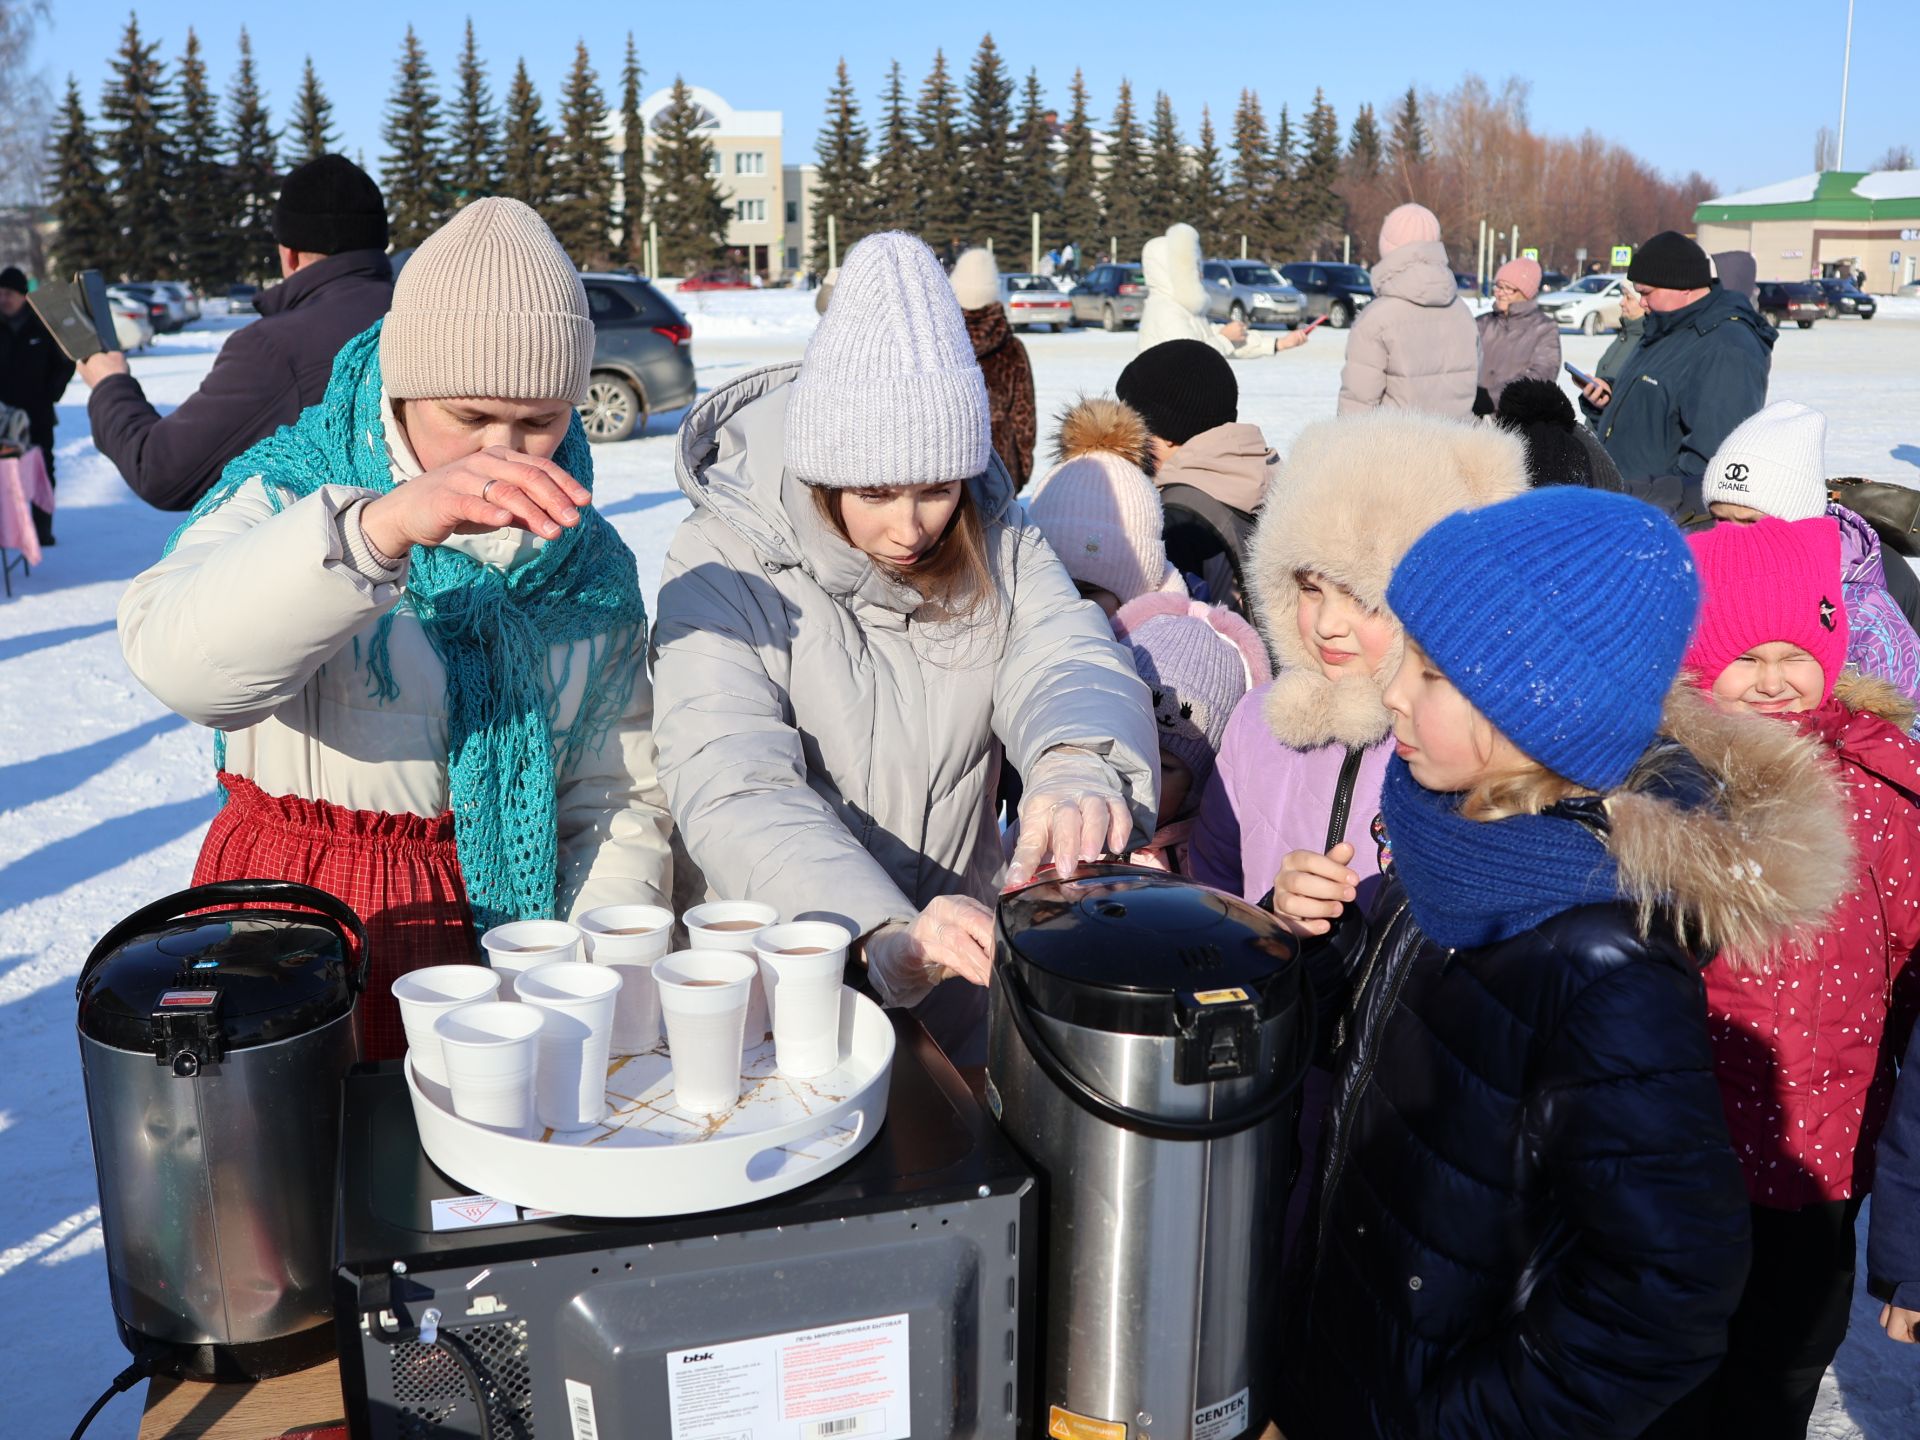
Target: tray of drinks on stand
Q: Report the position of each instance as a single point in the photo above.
(648, 1157)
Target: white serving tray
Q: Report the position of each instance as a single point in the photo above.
(650, 1159)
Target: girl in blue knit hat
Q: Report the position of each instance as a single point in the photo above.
(1528, 1218)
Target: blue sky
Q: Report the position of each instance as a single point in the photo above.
(1681, 83)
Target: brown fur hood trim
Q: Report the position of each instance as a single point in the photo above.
(1765, 865)
(1099, 424)
(1348, 501)
(1875, 696)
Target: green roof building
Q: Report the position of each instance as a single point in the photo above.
(1863, 222)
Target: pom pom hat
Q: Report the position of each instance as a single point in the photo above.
(1769, 581)
(1562, 616)
(1098, 509)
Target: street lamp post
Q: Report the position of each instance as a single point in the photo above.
(1846, 70)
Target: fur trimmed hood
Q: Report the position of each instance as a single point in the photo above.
(1348, 501)
(1170, 263)
(1766, 857)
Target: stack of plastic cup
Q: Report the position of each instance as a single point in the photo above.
(703, 999)
(733, 925)
(489, 1050)
(802, 967)
(576, 1002)
(522, 944)
(628, 939)
(425, 995)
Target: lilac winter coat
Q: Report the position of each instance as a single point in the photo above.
(1880, 641)
(1267, 799)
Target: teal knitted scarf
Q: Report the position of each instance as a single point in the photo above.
(492, 629)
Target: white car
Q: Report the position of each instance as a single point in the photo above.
(131, 327)
(1589, 305)
(1034, 300)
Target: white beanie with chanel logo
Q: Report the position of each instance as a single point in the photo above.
(1773, 462)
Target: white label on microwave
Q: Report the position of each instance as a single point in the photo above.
(1222, 1421)
(580, 1411)
(839, 1382)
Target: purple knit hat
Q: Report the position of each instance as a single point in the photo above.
(1199, 660)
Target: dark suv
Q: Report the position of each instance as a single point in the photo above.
(642, 356)
(1800, 301)
(1334, 290)
(1111, 294)
(1846, 298)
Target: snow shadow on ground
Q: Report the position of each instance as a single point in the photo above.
(45, 640)
(101, 847)
(27, 782)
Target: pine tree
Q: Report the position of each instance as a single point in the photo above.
(943, 209)
(581, 208)
(986, 176)
(1317, 195)
(412, 172)
(1078, 176)
(204, 203)
(894, 182)
(1122, 215)
(1033, 163)
(524, 144)
(137, 120)
(1286, 228)
(256, 170)
(312, 131)
(472, 129)
(1207, 190)
(687, 203)
(840, 187)
(1167, 191)
(1248, 197)
(1407, 145)
(1363, 145)
(633, 159)
(86, 235)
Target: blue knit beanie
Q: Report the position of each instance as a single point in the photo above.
(1562, 615)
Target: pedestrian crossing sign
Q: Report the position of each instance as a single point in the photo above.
(1622, 256)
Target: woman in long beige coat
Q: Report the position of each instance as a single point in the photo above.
(1414, 347)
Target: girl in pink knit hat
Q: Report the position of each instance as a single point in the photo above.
(1800, 1036)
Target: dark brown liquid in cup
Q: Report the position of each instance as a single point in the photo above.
(733, 925)
(634, 930)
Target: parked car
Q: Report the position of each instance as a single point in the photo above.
(179, 290)
(1467, 284)
(131, 327)
(1331, 289)
(718, 280)
(1110, 294)
(1251, 291)
(171, 313)
(1800, 301)
(642, 356)
(1551, 280)
(1909, 291)
(151, 307)
(1590, 304)
(1846, 298)
(242, 299)
(1034, 300)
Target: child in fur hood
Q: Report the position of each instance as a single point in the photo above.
(1800, 1030)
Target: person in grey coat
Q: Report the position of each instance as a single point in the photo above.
(1518, 340)
(854, 624)
(1414, 347)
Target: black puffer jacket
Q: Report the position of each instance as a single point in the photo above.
(1528, 1219)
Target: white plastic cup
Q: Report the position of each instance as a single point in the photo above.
(803, 993)
(425, 995)
(577, 1001)
(628, 939)
(703, 999)
(732, 925)
(522, 944)
(489, 1050)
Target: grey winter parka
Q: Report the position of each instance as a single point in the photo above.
(1414, 347)
(826, 747)
(1523, 344)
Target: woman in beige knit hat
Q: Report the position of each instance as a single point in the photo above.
(421, 646)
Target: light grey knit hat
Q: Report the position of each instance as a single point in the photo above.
(489, 307)
(889, 392)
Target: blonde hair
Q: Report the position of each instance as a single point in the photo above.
(1527, 790)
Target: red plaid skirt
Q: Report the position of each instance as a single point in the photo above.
(398, 872)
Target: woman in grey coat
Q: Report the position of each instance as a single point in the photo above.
(854, 623)
(1518, 340)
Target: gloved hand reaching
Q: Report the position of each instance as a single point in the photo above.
(1073, 811)
(952, 936)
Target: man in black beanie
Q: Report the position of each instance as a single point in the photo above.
(34, 371)
(330, 227)
(1211, 470)
(1700, 369)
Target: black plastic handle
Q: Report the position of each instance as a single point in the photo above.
(1154, 1127)
(233, 892)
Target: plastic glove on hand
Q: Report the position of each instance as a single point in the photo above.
(952, 936)
(1073, 811)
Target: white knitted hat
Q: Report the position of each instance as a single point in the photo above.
(976, 279)
(889, 392)
(488, 308)
(1774, 462)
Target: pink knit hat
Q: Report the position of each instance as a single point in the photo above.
(1768, 581)
(1199, 660)
(1407, 225)
(1523, 274)
(1097, 508)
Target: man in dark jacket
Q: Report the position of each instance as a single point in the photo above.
(34, 371)
(330, 225)
(1893, 1232)
(1699, 370)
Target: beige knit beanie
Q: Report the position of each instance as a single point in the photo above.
(488, 308)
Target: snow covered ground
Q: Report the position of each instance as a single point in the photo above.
(105, 794)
